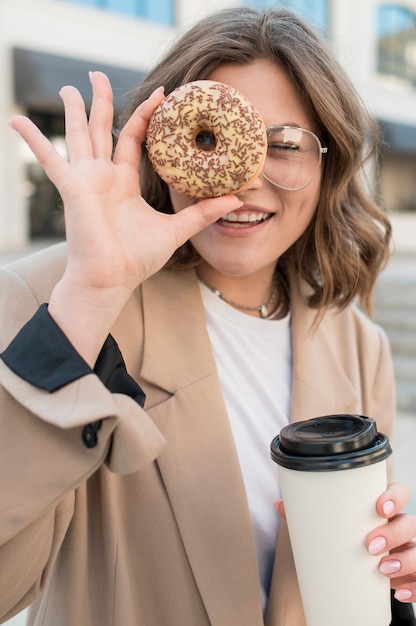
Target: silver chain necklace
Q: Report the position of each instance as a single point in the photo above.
(262, 309)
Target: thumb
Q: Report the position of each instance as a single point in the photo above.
(198, 216)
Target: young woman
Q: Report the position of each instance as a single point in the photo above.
(232, 316)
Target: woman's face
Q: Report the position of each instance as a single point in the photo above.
(242, 248)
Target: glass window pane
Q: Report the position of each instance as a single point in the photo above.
(128, 7)
(396, 31)
(91, 3)
(393, 19)
(314, 11)
(160, 11)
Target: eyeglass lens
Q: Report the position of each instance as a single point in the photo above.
(293, 157)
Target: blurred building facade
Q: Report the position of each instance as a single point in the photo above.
(45, 44)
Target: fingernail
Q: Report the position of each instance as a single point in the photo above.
(158, 90)
(11, 124)
(403, 594)
(388, 507)
(392, 566)
(377, 545)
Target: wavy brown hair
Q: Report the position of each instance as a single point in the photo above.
(347, 243)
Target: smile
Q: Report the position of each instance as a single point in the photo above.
(244, 219)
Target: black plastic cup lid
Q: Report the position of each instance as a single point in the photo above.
(331, 442)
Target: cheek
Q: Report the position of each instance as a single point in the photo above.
(310, 200)
(301, 205)
(179, 201)
(299, 210)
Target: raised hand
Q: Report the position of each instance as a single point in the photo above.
(115, 239)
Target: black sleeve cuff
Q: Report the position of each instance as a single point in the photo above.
(42, 355)
(111, 370)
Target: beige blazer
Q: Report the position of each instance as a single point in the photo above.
(151, 527)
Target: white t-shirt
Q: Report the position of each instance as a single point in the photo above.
(254, 362)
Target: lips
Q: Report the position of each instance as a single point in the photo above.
(244, 218)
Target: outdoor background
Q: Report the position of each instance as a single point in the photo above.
(45, 44)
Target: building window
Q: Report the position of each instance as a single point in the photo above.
(396, 37)
(160, 11)
(316, 12)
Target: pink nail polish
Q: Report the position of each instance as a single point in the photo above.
(377, 545)
(392, 566)
(388, 507)
(403, 594)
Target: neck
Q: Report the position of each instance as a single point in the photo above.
(256, 294)
(250, 290)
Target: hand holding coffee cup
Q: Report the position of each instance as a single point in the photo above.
(332, 470)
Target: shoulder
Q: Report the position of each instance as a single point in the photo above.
(25, 285)
(361, 348)
(348, 329)
(366, 356)
(39, 271)
(352, 324)
(346, 336)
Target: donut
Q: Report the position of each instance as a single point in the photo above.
(206, 139)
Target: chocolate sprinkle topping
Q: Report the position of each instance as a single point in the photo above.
(206, 139)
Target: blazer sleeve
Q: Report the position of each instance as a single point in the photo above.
(43, 452)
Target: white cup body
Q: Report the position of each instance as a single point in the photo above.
(329, 515)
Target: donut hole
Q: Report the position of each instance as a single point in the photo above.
(205, 140)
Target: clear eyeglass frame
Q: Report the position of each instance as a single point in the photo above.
(320, 151)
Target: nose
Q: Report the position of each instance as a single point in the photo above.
(256, 183)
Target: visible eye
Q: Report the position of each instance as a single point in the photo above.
(283, 151)
(283, 146)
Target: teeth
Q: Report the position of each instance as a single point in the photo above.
(245, 217)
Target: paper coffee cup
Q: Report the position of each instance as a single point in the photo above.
(332, 470)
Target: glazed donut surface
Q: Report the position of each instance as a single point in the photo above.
(206, 139)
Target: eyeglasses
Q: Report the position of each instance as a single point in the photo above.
(294, 156)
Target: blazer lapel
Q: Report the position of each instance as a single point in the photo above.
(199, 466)
(319, 387)
(179, 372)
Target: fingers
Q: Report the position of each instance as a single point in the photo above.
(128, 149)
(396, 538)
(400, 567)
(94, 138)
(84, 138)
(50, 160)
(392, 536)
(400, 563)
(77, 136)
(89, 138)
(401, 527)
(393, 500)
(101, 115)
